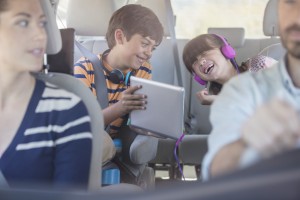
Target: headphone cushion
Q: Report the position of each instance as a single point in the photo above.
(228, 52)
(116, 76)
(199, 80)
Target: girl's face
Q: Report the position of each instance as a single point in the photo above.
(213, 66)
(23, 36)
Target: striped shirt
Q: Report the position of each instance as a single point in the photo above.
(84, 71)
(53, 142)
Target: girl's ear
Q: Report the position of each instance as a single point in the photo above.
(119, 36)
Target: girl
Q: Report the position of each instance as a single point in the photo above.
(212, 62)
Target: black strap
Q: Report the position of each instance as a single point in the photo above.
(100, 82)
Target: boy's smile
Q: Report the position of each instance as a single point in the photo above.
(137, 50)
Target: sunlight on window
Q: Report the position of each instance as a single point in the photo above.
(194, 17)
(61, 13)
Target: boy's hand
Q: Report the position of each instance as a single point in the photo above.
(273, 128)
(130, 101)
(204, 97)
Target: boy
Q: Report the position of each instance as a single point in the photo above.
(133, 33)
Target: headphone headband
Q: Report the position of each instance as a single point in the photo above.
(222, 38)
(226, 49)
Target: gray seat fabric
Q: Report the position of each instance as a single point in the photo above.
(235, 36)
(54, 42)
(275, 51)
(68, 82)
(192, 150)
(139, 149)
(270, 21)
(270, 27)
(193, 145)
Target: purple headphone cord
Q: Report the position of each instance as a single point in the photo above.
(235, 65)
(176, 157)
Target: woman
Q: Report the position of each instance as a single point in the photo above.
(212, 61)
(45, 135)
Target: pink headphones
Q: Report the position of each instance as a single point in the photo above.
(227, 51)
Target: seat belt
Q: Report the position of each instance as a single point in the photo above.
(171, 24)
(3, 182)
(100, 82)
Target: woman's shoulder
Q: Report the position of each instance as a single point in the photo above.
(52, 90)
(57, 97)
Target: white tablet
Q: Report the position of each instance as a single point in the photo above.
(164, 114)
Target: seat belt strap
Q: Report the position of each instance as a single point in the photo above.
(3, 182)
(171, 24)
(100, 82)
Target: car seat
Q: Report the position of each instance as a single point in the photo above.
(271, 29)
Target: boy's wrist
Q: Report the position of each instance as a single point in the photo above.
(120, 108)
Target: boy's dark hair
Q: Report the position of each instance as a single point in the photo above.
(197, 46)
(134, 19)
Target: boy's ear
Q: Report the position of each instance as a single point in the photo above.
(119, 36)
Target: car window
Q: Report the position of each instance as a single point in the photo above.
(194, 17)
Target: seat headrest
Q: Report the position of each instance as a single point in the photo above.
(159, 7)
(54, 43)
(270, 23)
(235, 36)
(89, 17)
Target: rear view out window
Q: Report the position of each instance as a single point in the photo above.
(194, 17)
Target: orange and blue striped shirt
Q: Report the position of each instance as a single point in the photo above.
(84, 71)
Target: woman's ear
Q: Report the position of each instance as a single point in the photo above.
(119, 36)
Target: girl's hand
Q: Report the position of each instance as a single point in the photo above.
(205, 98)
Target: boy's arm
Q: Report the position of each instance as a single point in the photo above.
(83, 71)
(128, 101)
(125, 105)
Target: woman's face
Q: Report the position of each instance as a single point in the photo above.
(23, 36)
(213, 66)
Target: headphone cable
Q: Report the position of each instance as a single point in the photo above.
(176, 156)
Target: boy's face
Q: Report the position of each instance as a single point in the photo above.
(137, 50)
